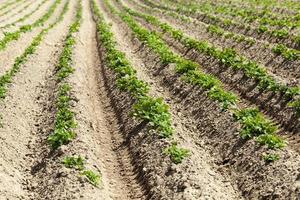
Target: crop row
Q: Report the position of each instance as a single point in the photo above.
(248, 15)
(11, 36)
(281, 34)
(230, 58)
(273, 4)
(252, 121)
(153, 111)
(65, 122)
(25, 16)
(279, 49)
(19, 61)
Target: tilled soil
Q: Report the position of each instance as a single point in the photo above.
(127, 154)
(282, 69)
(229, 155)
(271, 104)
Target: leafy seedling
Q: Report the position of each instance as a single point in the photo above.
(74, 162)
(271, 157)
(92, 177)
(176, 154)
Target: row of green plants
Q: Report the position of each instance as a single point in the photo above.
(25, 16)
(291, 6)
(228, 57)
(266, 24)
(20, 60)
(287, 53)
(15, 35)
(65, 122)
(153, 111)
(226, 23)
(280, 49)
(65, 118)
(11, 9)
(214, 29)
(263, 16)
(255, 125)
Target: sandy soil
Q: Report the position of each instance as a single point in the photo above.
(128, 155)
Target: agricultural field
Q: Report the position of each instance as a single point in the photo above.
(150, 99)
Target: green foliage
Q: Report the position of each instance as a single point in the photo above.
(184, 66)
(25, 16)
(156, 112)
(92, 177)
(47, 15)
(271, 157)
(291, 92)
(227, 99)
(203, 80)
(65, 120)
(76, 162)
(176, 154)
(289, 54)
(7, 77)
(215, 30)
(262, 29)
(254, 123)
(296, 105)
(9, 3)
(271, 140)
(281, 33)
(136, 87)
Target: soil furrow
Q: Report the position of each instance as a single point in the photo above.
(19, 110)
(117, 162)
